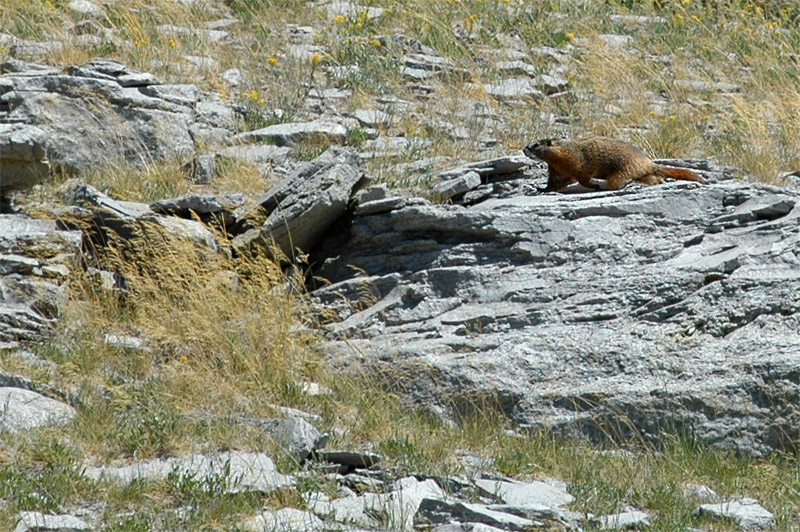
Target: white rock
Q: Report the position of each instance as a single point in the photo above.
(284, 520)
(39, 522)
(85, 8)
(22, 409)
(622, 520)
(746, 512)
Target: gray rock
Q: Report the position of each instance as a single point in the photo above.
(552, 494)
(206, 206)
(351, 459)
(123, 341)
(623, 520)
(241, 471)
(232, 76)
(393, 511)
(23, 409)
(440, 511)
(35, 260)
(466, 527)
(422, 66)
(636, 21)
(296, 435)
(453, 187)
(501, 167)
(303, 206)
(257, 154)
(124, 217)
(595, 315)
(284, 520)
(85, 8)
(350, 9)
(746, 513)
(514, 89)
(39, 522)
(100, 111)
(321, 130)
(710, 86)
(516, 67)
(374, 118)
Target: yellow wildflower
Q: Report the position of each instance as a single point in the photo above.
(316, 58)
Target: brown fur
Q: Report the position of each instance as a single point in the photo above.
(613, 161)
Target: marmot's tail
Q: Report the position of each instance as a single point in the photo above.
(679, 173)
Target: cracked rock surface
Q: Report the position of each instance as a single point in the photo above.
(671, 307)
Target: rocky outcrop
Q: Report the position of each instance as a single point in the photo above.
(101, 112)
(35, 260)
(651, 309)
(300, 210)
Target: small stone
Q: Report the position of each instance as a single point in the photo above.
(451, 188)
(284, 520)
(438, 511)
(85, 8)
(746, 513)
(39, 522)
(124, 341)
(232, 76)
(513, 89)
(349, 458)
(623, 520)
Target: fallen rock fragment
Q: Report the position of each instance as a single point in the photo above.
(39, 522)
(440, 511)
(746, 513)
(624, 520)
(284, 520)
(301, 208)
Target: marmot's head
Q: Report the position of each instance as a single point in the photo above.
(539, 148)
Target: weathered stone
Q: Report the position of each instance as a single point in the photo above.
(466, 527)
(289, 134)
(35, 259)
(302, 207)
(374, 118)
(296, 435)
(396, 510)
(352, 10)
(85, 8)
(513, 89)
(23, 409)
(552, 494)
(440, 511)
(206, 206)
(450, 188)
(623, 520)
(284, 520)
(39, 522)
(636, 21)
(241, 471)
(746, 513)
(709, 86)
(348, 458)
(124, 217)
(99, 112)
(257, 154)
(504, 299)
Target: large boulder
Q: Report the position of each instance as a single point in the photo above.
(100, 112)
(670, 308)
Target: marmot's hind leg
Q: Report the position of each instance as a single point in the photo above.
(650, 179)
(617, 180)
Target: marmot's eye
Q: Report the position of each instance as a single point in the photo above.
(548, 142)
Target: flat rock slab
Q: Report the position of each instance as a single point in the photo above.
(672, 307)
(553, 494)
(39, 522)
(242, 471)
(23, 409)
(746, 513)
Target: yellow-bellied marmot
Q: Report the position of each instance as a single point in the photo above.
(613, 161)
